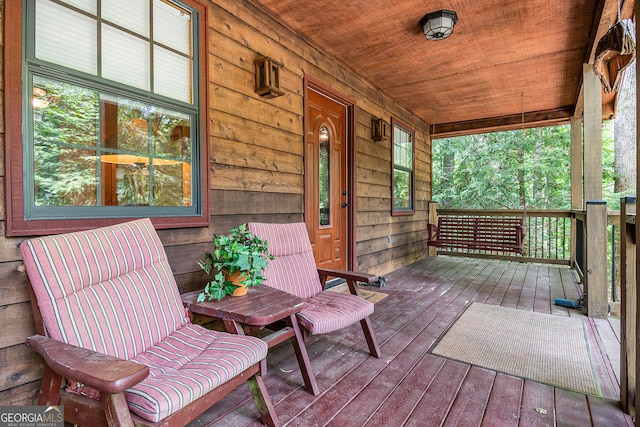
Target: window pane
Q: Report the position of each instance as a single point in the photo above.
(402, 169)
(64, 123)
(402, 189)
(172, 75)
(125, 58)
(172, 26)
(64, 176)
(136, 17)
(402, 148)
(71, 45)
(324, 169)
(92, 149)
(90, 6)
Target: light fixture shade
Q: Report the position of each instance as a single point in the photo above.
(438, 25)
(268, 77)
(379, 130)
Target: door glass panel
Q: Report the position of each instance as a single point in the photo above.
(324, 175)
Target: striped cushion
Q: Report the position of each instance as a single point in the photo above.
(329, 311)
(184, 367)
(294, 268)
(110, 290)
(187, 365)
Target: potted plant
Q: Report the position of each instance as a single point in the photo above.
(237, 261)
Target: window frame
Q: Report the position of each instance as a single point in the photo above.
(15, 77)
(412, 198)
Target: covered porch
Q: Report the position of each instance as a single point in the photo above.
(411, 386)
(254, 170)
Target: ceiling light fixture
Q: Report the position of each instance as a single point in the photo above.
(438, 25)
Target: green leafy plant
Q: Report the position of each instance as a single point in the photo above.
(240, 251)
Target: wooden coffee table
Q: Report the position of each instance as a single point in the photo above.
(260, 307)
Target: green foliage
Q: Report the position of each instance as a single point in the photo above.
(64, 135)
(511, 170)
(401, 189)
(241, 251)
(70, 131)
(608, 168)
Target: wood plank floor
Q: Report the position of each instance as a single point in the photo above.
(409, 386)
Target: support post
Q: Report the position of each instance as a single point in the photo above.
(592, 134)
(636, 337)
(628, 307)
(576, 180)
(433, 219)
(596, 260)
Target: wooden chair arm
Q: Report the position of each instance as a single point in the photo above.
(102, 372)
(348, 275)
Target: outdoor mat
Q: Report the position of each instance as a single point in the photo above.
(371, 296)
(541, 347)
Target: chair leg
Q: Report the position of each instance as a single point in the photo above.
(370, 337)
(116, 410)
(49, 387)
(303, 357)
(263, 401)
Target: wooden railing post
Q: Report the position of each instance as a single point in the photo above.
(596, 259)
(628, 307)
(433, 219)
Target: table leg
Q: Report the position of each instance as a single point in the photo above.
(303, 357)
(234, 327)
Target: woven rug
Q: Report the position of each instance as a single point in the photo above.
(541, 347)
(371, 296)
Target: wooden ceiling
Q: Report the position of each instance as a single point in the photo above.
(504, 58)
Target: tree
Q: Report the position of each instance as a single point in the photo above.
(504, 170)
(625, 135)
(514, 170)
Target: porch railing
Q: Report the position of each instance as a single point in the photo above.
(577, 238)
(547, 235)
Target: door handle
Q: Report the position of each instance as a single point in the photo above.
(345, 204)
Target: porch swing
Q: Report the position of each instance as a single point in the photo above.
(481, 233)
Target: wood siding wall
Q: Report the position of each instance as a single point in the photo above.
(256, 148)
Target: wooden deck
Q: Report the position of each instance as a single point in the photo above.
(409, 386)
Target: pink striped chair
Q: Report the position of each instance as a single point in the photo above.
(114, 327)
(294, 270)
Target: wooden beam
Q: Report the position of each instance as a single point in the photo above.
(606, 16)
(576, 163)
(576, 180)
(596, 260)
(634, 278)
(592, 134)
(511, 122)
(627, 306)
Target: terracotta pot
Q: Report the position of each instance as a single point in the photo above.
(236, 277)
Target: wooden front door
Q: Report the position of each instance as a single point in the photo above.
(326, 184)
